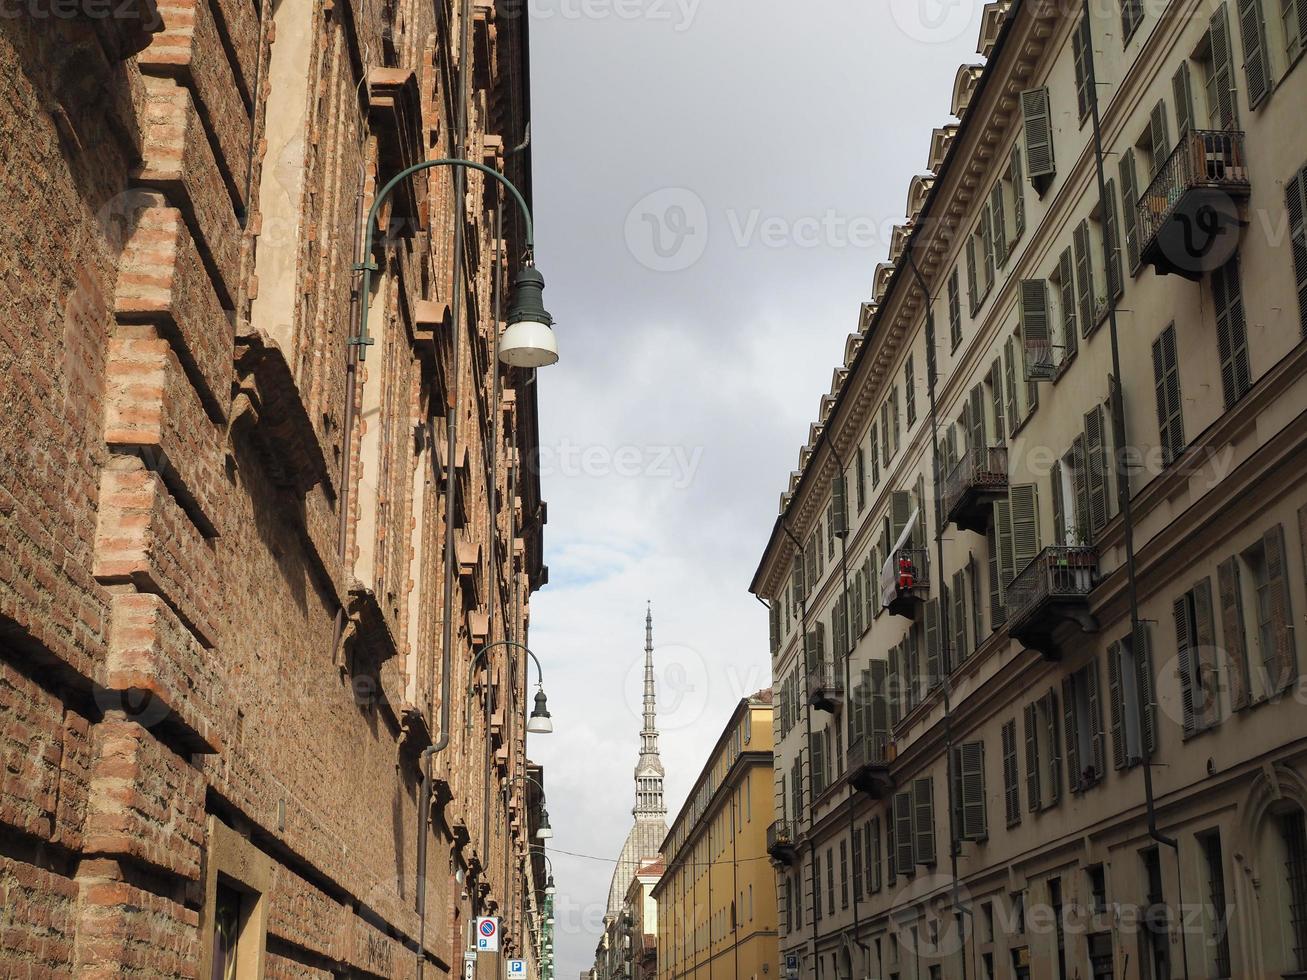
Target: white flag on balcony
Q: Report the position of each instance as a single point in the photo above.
(889, 572)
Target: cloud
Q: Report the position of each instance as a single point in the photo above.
(800, 124)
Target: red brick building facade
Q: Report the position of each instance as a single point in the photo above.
(223, 601)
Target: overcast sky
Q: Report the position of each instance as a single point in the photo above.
(715, 181)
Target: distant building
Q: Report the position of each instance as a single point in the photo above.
(717, 895)
(1037, 585)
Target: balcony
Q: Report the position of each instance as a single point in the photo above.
(1188, 218)
(911, 586)
(869, 759)
(972, 486)
(781, 844)
(1051, 590)
(826, 689)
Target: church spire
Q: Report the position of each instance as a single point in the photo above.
(649, 770)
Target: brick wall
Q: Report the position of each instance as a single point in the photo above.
(180, 638)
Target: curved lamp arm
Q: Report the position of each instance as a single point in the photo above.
(472, 667)
(367, 266)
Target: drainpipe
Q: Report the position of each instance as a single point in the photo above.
(955, 845)
(1123, 479)
(807, 714)
(848, 656)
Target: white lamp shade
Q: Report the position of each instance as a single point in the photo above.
(544, 833)
(528, 344)
(539, 725)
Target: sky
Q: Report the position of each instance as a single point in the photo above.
(714, 183)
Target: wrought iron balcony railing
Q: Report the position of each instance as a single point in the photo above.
(1187, 218)
(1052, 589)
(869, 758)
(826, 688)
(978, 479)
(781, 841)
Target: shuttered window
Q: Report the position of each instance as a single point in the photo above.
(1037, 120)
(1159, 141)
(958, 618)
(1096, 470)
(1043, 752)
(955, 311)
(1132, 14)
(910, 391)
(1024, 501)
(856, 840)
(969, 791)
(1231, 332)
(872, 835)
(774, 625)
(973, 293)
(1275, 633)
(1182, 87)
(1083, 728)
(1082, 54)
(1256, 60)
(973, 577)
(1221, 102)
(1166, 381)
(894, 415)
(1010, 386)
(987, 249)
(1112, 241)
(1011, 779)
(1033, 765)
(1294, 15)
(934, 662)
(1195, 660)
(996, 616)
(1003, 534)
(923, 820)
(999, 222)
(903, 820)
(884, 434)
(1232, 626)
(996, 397)
(1088, 302)
(1018, 193)
(839, 506)
(1296, 205)
(1129, 208)
(1132, 710)
(875, 456)
(1036, 339)
(860, 476)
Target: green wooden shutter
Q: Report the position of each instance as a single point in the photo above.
(973, 294)
(1112, 241)
(1092, 702)
(1072, 729)
(1082, 56)
(1231, 332)
(996, 396)
(1116, 706)
(1166, 383)
(1130, 208)
(1066, 275)
(1035, 339)
(1006, 555)
(1280, 662)
(1227, 574)
(903, 814)
(1182, 612)
(1207, 702)
(774, 625)
(1182, 89)
(1059, 512)
(875, 455)
(1296, 205)
(1024, 500)
(975, 409)
(1018, 192)
(840, 633)
(797, 578)
(1032, 758)
(1011, 775)
(1220, 81)
(1256, 63)
(1010, 386)
(987, 246)
(1159, 141)
(1080, 486)
(894, 684)
(1084, 278)
(1096, 469)
(955, 311)
(910, 391)
(999, 222)
(969, 776)
(1294, 15)
(878, 719)
(1039, 137)
(1054, 748)
(995, 581)
(933, 672)
(840, 503)
(1141, 647)
(958, 617)
(923, 820)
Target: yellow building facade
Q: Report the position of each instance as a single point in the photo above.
(717, 897)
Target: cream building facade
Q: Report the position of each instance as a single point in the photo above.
(1031, 722)
(717, 895)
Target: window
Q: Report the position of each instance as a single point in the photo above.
(816, 887)
(901, 845)
(1166, 381)
(1195, 642)
(1217, 921)
(1040, 361)
(1043, 753)
(998, 221)
(1231, 332)
(954, 312)
(923, 821)
(957, 599)
(1256, 54)
(885, 452)
(1086, 295)
(969, 791)
(973, 291)
(1293, 832)
(1010, 204)
(1132, 14)
(1155, 939)
(1216, 60)
(873, 868)
(1059, 925)
(875, 455)
(858, 885)
(1084, 728)
(1129, 210)
(1011, 784)
(1296, 205)
(1155, 142)
(830, 882)
(860, 474)
(1257, 620)
(237, 877)
(894, 415)
(910, 391)
(1083, 54)
(1130, 697)
(1062, 329)
(1037, 120)
(844, 874)
(1294, 23)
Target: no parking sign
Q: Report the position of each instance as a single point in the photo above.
(488, 934)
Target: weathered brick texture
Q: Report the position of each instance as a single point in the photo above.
(145, 802)
(38, 914)
(125, 931)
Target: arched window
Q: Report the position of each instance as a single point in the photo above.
(1282, 857)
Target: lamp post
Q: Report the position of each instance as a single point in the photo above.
(544, 832)
(539, 721)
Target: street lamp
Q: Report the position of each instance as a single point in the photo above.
(545, 831)
(539, 721)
